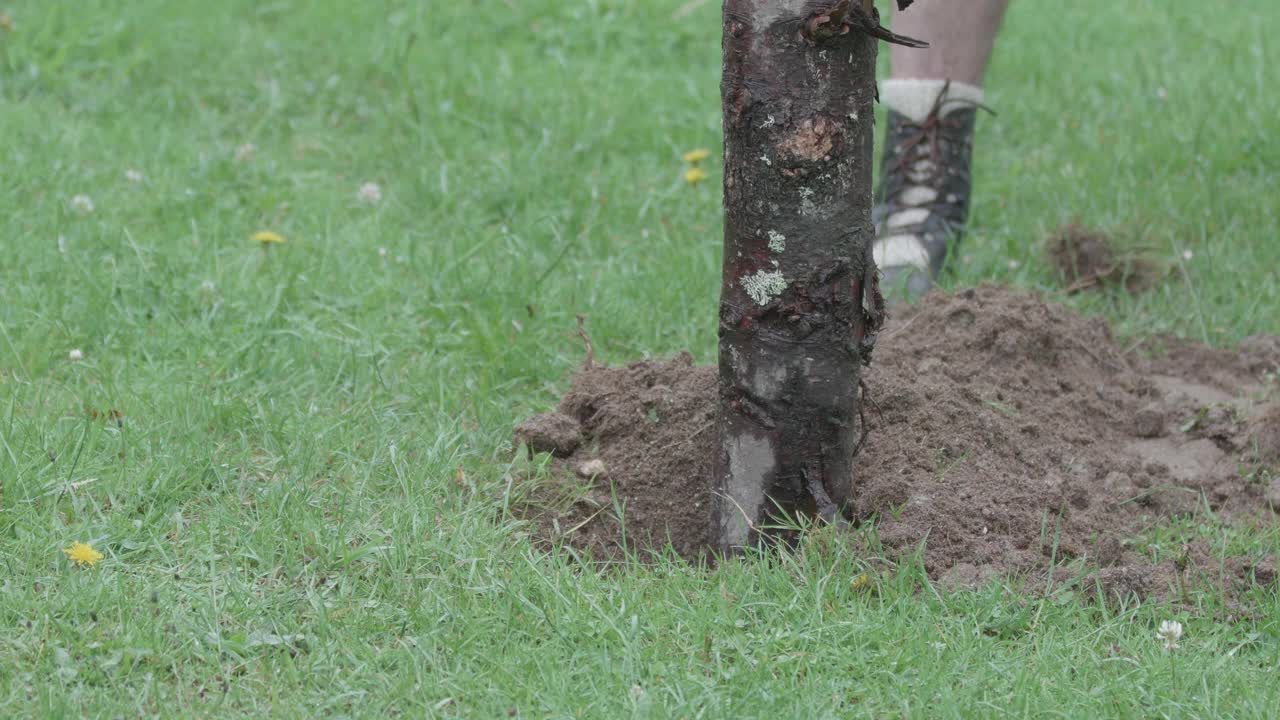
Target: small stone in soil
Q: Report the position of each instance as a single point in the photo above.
(1148, 422)
(592, 469)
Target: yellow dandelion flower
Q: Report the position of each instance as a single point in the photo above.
(83, 554)
(266, 237)
(695, 175)
(693, 157)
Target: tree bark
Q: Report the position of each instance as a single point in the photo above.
(797, 90)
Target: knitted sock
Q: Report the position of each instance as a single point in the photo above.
(914, 98)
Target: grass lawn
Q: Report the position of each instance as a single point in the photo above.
(301, 505)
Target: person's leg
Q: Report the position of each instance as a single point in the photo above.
(932, 96)
(961, 36)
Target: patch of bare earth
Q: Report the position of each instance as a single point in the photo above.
(1007, 434)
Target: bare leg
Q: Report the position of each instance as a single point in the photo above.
(960, 33)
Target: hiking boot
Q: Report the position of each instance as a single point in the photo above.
(923, 199)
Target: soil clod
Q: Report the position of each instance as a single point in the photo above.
(1148, 422)
(553, 433)
(1265, 435)
(1088, 259)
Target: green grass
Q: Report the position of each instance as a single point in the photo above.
(302, 511)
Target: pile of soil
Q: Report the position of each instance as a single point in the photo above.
(1007, 435)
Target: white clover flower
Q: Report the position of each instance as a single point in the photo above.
(1187, 254)
(369, 193)
(133, 176)
(207, 286)
(382, 252)
(245, 152)
(82, 204)
(1170, 632)
(1014, 264)
(75, 355)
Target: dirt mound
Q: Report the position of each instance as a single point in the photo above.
(1008, 435)
(651, 424)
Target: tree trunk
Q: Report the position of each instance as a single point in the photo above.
(797, 90)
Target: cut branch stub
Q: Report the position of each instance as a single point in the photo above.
(867, 19)
(798, 123)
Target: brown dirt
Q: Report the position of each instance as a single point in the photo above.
(553, 433)
(1008, 435)
(1087, 259)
